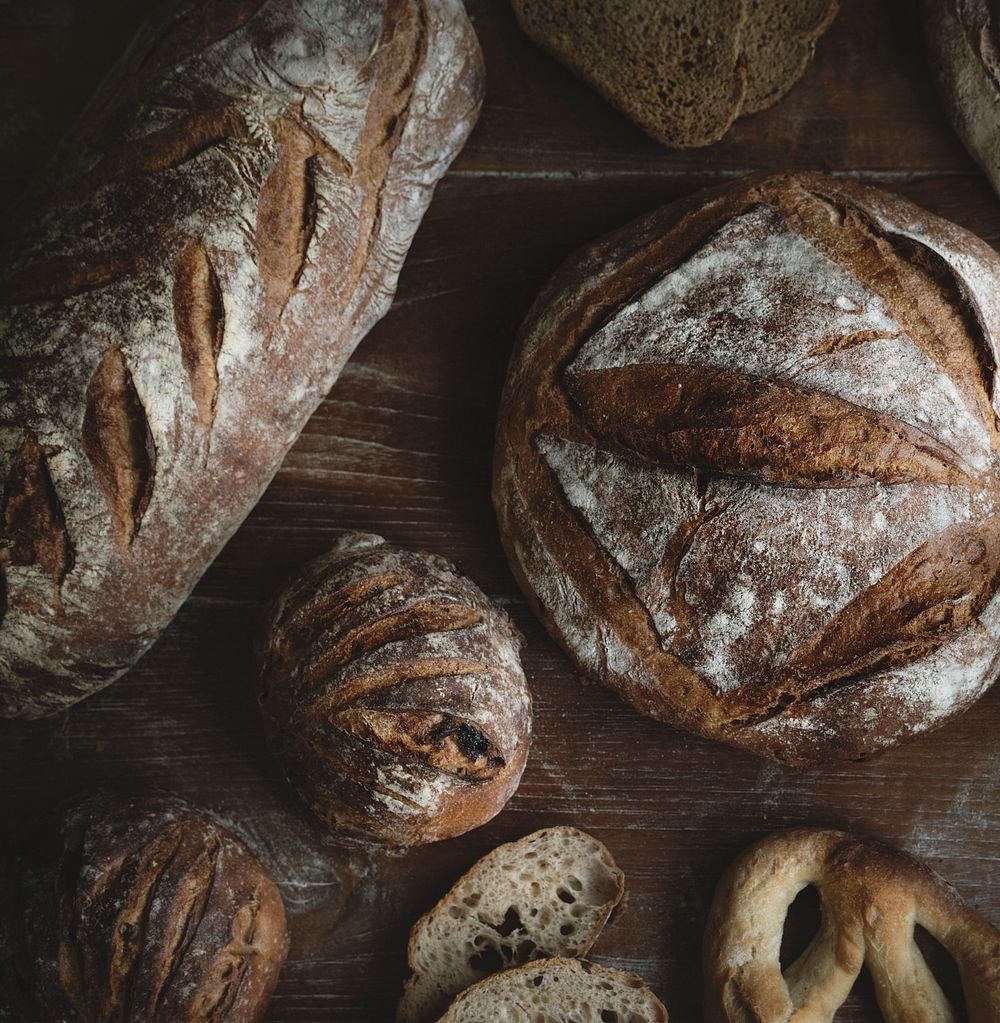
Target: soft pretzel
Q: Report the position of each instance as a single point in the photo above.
(872, 898)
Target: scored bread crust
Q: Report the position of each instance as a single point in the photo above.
(547, 894)
(392, 694)
(775, 526)
(143, 910)
(558, 991)
(208, 247)
(873, 897)
(963, 40)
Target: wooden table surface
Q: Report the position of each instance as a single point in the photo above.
(402, 447)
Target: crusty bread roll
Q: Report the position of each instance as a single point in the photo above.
(392, 694)
(746, 466)
(873, 898)
(140, 910)
(547, 894)
(963, 42)
(208, 247)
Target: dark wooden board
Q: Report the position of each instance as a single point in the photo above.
(403, 447)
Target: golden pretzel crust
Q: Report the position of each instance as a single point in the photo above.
(872, 898)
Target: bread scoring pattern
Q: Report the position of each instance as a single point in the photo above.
(393, 694)
(141, 910)
(776, 442)
(212, 241)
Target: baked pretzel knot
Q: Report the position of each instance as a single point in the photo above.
(872, 897)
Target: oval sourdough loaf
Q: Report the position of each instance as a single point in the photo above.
(746, 466)
(392, 693)
(210, 244)
(140, 910)
(963, 40)
(873, 900)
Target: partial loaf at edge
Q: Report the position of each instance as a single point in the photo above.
(547, 894)
(209, 245)
(139, 910)
(963, 41)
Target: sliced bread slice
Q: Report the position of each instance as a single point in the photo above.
(558, 991)
(778, 42)
(674, 68)
(548, 894)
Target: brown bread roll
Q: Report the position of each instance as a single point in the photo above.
(140, 910)
(207, 249)
(746, 466)
(873, 900)
(393, 695)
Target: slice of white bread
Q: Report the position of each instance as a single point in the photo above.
(548, 894)
(558, 991)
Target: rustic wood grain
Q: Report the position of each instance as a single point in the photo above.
(403, 447)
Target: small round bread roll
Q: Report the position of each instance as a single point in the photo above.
(747, 466)
(392, 693)
(142, 911)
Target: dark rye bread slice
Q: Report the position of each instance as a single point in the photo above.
(549, 894)
(682, 69)
(674, 68)
(779, 41)
(558, 991)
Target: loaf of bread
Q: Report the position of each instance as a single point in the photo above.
(392, 694)
(548, 894)
(873, 898)
(139, 910)
(208, 247)
(683, 70)
(747, 467)
(963, 41)
(558, 991)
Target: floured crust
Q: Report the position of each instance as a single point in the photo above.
(205, 252)
(873, 897)
(393, 695)
(746, 466)
(142, 910)
(963, 39)
(547, 894)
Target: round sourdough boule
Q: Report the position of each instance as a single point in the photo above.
(746, 466)
(392, 694)
(140, 910)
